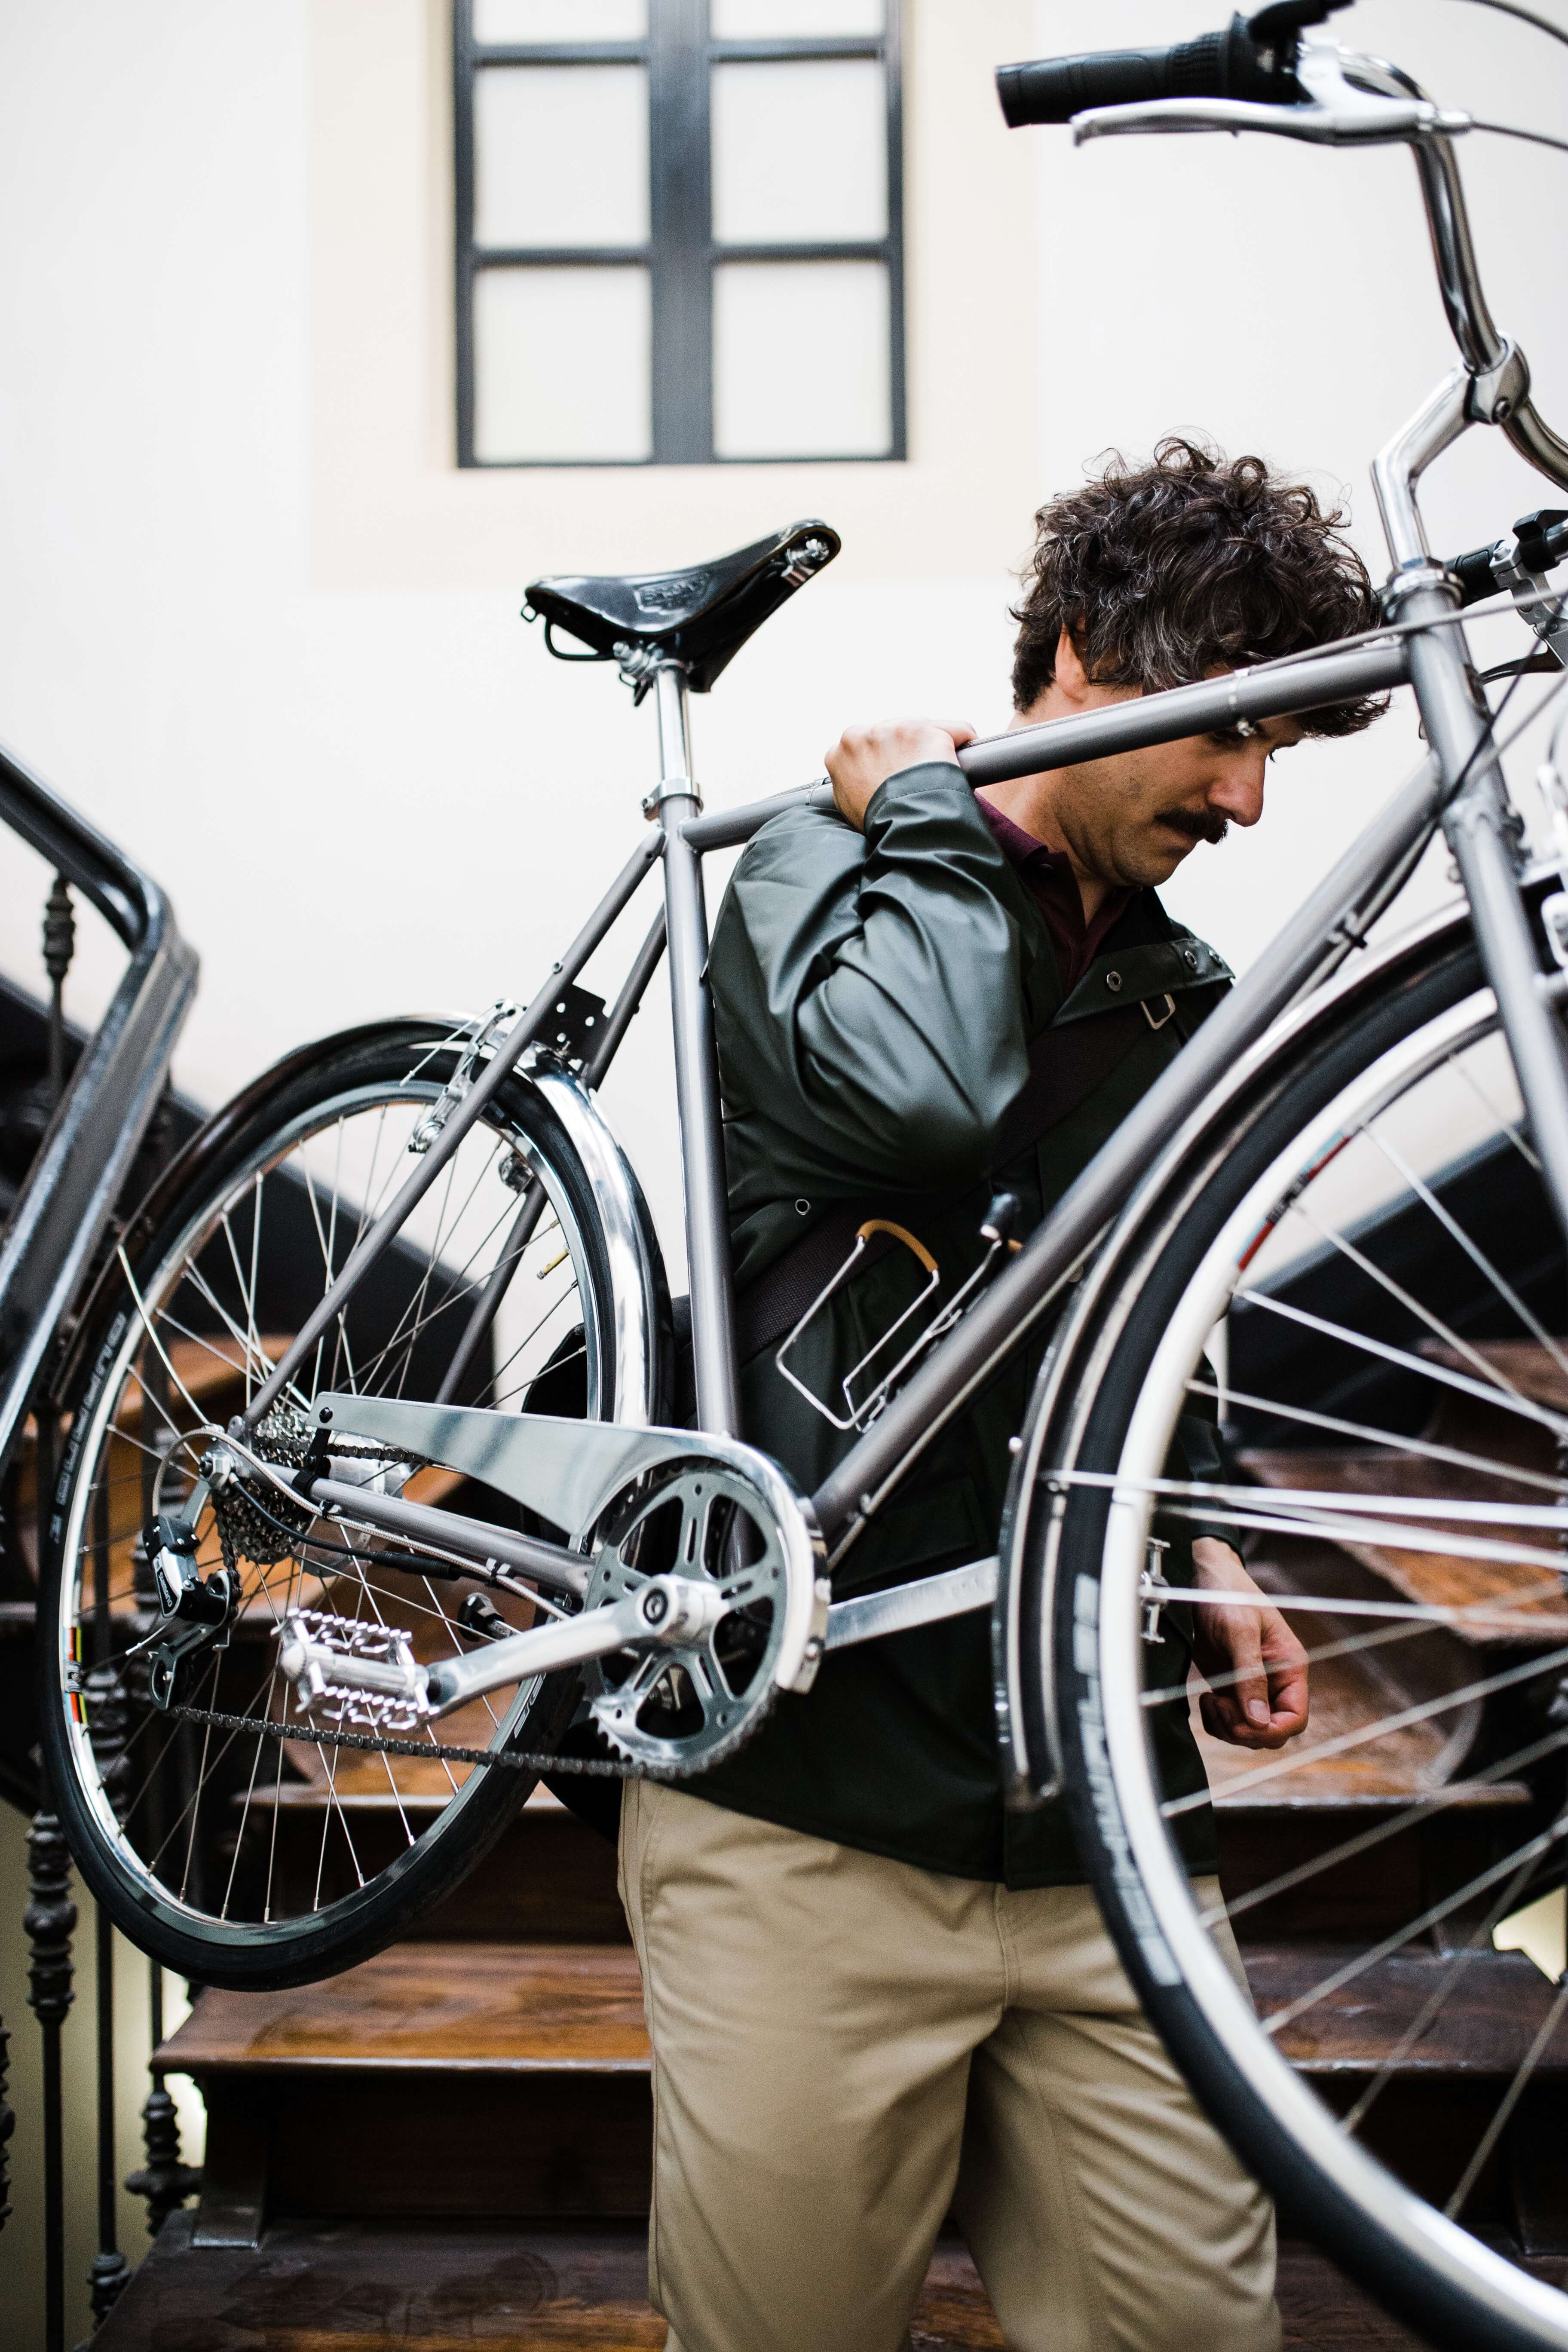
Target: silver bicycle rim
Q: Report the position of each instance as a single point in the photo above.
(562, 1229)
(1175, 1942)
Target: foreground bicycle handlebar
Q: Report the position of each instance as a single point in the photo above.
(1259, 75)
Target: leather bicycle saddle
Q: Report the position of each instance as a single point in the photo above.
(700, 617)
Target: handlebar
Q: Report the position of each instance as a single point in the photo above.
(1231, 64)
(1258, 75)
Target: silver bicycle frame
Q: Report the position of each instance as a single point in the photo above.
(1461, 787)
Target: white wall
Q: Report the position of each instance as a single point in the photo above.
(363, 796)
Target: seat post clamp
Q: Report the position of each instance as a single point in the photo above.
(671, 788)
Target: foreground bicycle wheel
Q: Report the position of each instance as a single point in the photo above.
(1356, 1268)
(236, 1854)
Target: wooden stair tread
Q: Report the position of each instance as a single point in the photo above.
(1486, 2026)
(313, 2288)
(511, 2009)
(1439, 1579)
(455, 2008)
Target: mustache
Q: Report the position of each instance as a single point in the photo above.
(1197, 825)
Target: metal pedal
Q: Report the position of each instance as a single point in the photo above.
(348, 1673)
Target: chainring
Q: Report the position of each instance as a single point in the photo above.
(676, 1710)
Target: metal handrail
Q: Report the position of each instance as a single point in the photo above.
(97, 1127)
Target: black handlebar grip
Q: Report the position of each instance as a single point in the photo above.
(1216, 65)
(1540, 545)
(1474, 571)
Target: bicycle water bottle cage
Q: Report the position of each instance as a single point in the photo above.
(998, 1230)
(699, 618)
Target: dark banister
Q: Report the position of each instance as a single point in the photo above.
(82, 1163)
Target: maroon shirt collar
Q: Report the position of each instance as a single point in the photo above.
(1047, 874)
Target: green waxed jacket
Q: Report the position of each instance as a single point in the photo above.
(876, 997)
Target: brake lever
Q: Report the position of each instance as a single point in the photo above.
(1340, 113)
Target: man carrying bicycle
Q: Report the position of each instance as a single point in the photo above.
(874, 1995)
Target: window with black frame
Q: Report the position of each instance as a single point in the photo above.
(679, 231)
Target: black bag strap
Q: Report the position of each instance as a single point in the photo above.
(1066, 1066)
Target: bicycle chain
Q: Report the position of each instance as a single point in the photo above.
(593, 1768)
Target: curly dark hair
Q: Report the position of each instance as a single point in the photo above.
(1163, 573)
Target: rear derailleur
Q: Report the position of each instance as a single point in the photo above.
(199, 1609)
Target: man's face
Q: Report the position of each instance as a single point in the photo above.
(1131, 819)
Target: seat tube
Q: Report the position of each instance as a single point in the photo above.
(695, 1072)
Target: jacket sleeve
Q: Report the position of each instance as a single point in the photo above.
(876, 1000)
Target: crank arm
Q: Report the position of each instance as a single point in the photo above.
(666, 1609)
(923, 1603)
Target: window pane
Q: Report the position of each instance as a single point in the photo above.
(561, 364)
(772, 20)
(800, 152)
(801, 360)
(559, 20)
(561, 155)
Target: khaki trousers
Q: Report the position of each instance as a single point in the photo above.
(845, 2048)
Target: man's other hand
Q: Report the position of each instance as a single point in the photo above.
(865, 757)
(1252, 1654)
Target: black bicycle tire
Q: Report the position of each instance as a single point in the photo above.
(1259, 1123)
(412, 1883)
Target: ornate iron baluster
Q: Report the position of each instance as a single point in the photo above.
(60, 947)
(104, 1692)
(8, 2126)
(49, 1920)
(165, 2180)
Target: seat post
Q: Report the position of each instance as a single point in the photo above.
(696, 1069)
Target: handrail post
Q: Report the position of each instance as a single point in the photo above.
(108, 1718)
(48, 1921)
(165, 2180)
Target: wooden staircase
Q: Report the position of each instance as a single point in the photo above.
(450, 2144)
(447, 2145)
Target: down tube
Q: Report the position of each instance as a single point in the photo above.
(1015, 1302)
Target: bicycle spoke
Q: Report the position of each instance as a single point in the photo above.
(1396, 1290)
(1368, 1433)
(290, 1850)
(1503, 1399)
(1510, 2100)
(1472, 1249)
